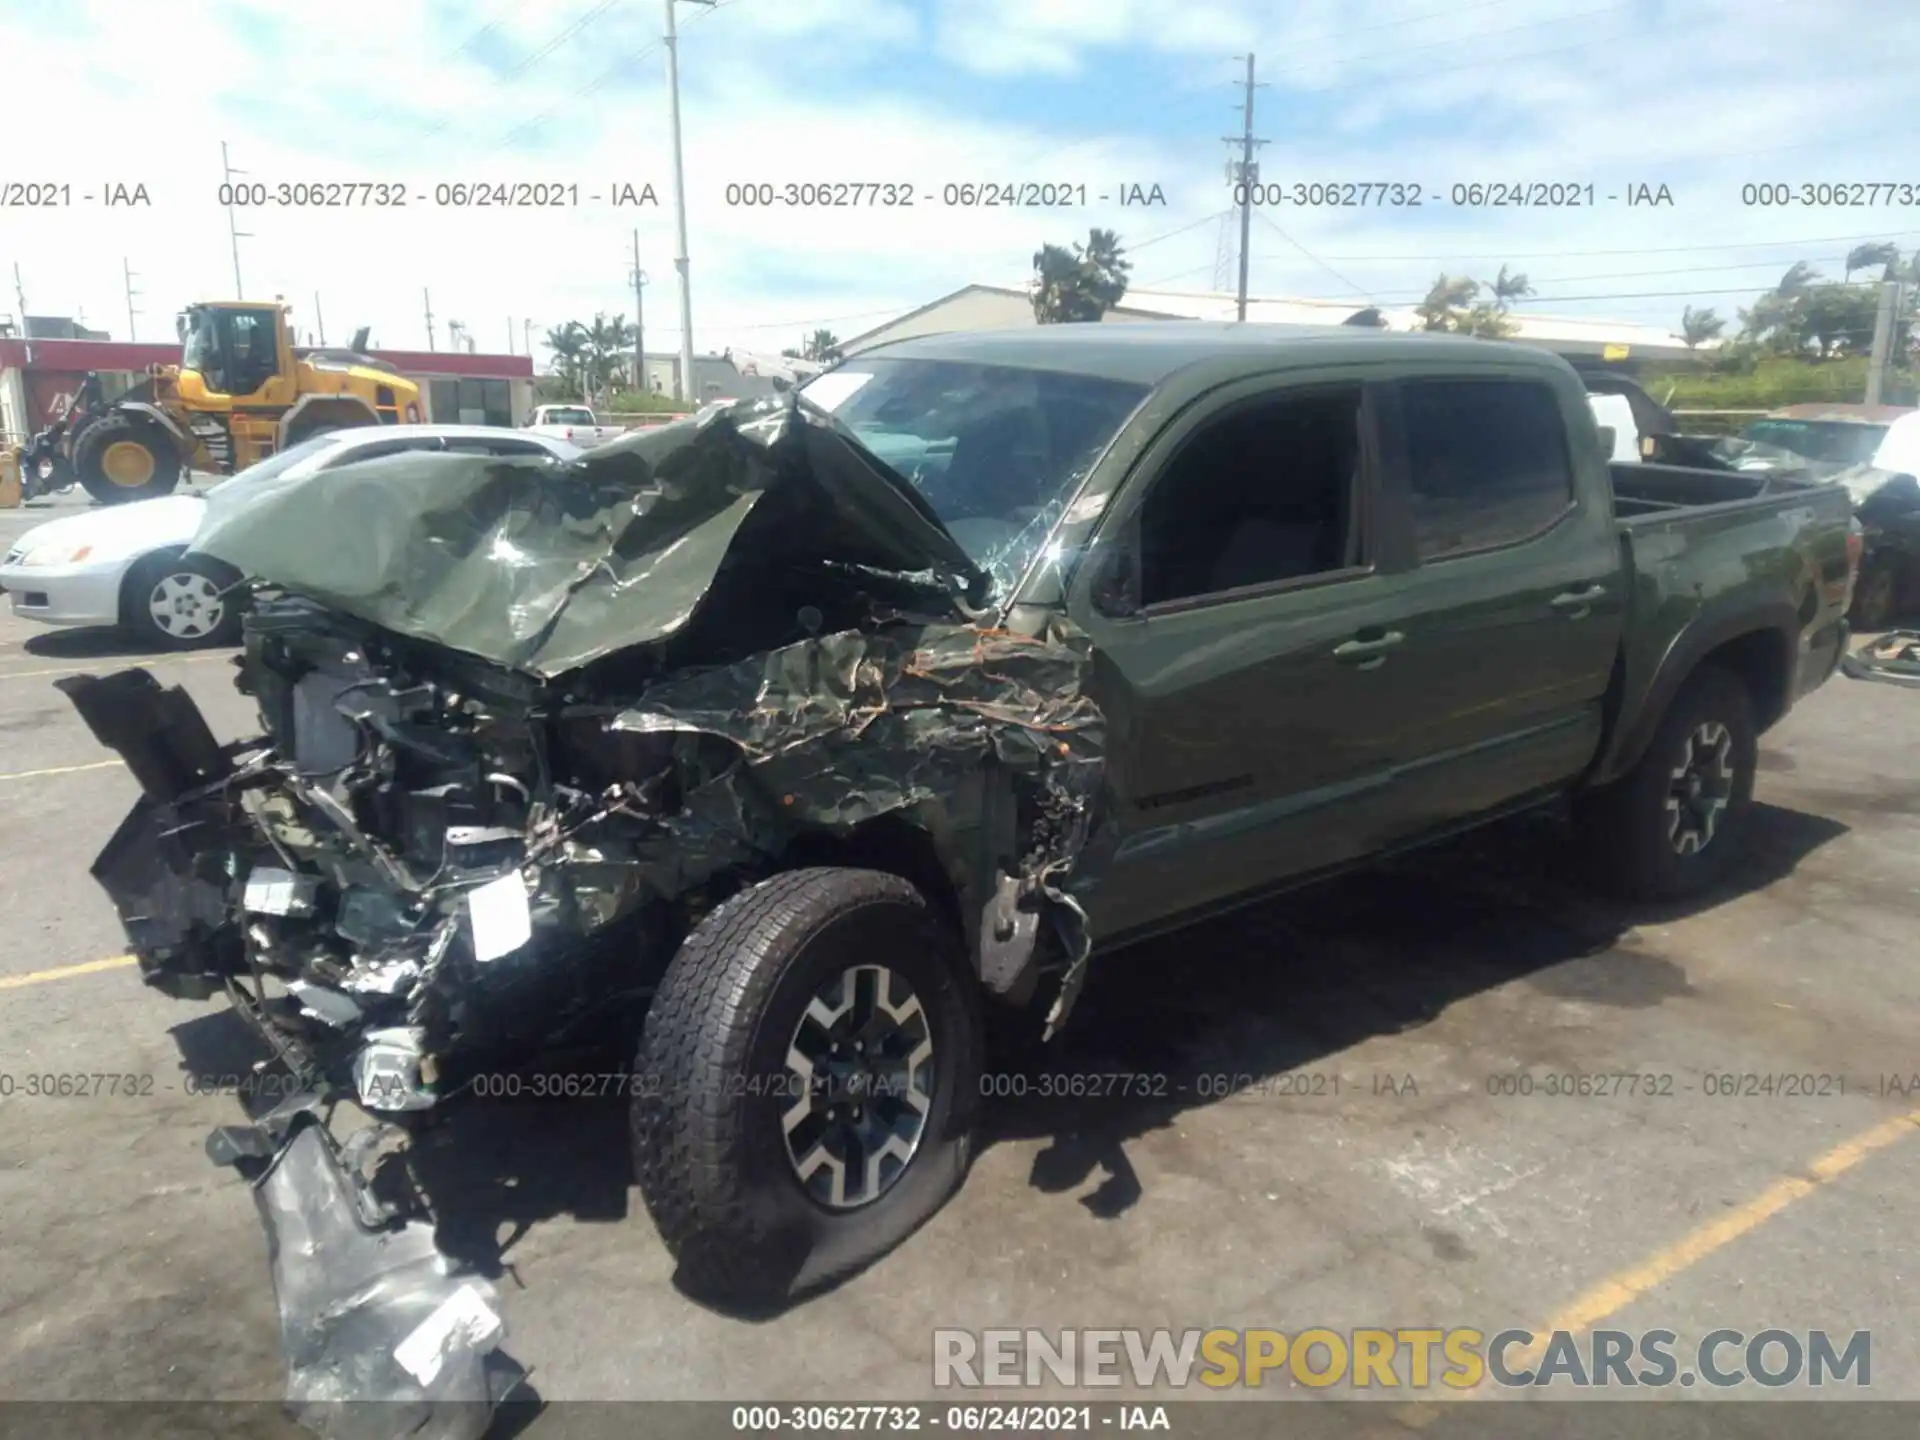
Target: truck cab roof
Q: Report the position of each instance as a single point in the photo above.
(1150, 352)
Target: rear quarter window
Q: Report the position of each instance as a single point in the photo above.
(1488, 463)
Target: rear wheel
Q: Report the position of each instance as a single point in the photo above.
(182, 602)
(126, 457)
(1676, 822)
(806, 1084)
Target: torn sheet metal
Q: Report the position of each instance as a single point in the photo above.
(545, 566)
(525, 723)
(382, 1336)
(1894, 658)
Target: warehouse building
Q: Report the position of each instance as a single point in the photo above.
(994, 307)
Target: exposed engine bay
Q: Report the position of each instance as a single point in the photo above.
(523, 723)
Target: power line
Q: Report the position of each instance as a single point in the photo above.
(529, 61)
(625, 62)
(1459, 39)
(1526, 55)
(1686, 270)
(1651, 250)
(1357, 289)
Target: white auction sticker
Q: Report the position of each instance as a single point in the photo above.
(501, 921)
(463, 1318)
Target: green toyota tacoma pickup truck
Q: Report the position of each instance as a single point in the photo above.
(811, 732)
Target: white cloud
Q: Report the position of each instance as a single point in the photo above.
(809, 91)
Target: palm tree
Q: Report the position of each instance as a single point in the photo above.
(1885, 255)
(1699, 326)
(1449, 296)
(1080, 284)
(609, 347)
(569, 344)
(823, 346)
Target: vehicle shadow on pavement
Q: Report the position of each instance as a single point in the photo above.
(1283, 988)
(1276, 989)
(96, 642)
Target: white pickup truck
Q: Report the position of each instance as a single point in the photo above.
(575, 424)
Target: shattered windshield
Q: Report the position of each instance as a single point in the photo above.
(995, 450)
(1837, 441)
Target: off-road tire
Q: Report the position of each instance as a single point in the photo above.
(89, 451)
(136, 595)
(710, 1153)
(1624, 826)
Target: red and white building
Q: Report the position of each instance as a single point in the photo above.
(38, 379)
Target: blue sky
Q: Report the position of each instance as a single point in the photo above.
(1702, 96)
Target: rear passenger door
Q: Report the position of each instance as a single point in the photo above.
(1246, 620)
(1518, 609)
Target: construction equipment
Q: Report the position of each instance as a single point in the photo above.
(241, 391)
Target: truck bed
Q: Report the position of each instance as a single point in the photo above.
(1644, 490)
(1710, 554)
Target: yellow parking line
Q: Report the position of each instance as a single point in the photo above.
(1618, 1291)
(64, 972)
(61, 770)
(115, 661)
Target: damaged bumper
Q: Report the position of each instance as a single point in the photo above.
(382, 1334)
(511, 751)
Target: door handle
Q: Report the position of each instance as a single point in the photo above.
(1577, 603)
(1368, 654)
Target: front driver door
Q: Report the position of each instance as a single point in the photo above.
(1249, 678)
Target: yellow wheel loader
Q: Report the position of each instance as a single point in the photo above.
(241, 391)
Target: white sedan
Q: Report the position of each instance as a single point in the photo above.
(127, 565)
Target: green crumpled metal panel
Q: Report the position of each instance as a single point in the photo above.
(546, 567)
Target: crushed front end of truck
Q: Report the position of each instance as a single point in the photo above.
(524, 723)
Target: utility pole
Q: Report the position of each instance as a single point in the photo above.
(639, 320)
(126, 268)
(526, 334)
(319, 319)
(1892, 302)
(234, 234)
(509, 334)
(680, 206)
(429, 299)
(1248, 176)
(20, 295)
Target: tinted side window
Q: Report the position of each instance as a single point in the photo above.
(1487, 462)
(1262, 494)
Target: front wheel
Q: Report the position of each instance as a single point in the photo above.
(1675, 823)
(806, 1084)
(182, 602)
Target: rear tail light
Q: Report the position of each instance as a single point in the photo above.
(1856, 549)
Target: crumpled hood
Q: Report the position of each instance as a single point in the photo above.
(546, 567)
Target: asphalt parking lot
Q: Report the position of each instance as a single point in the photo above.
(1396, 1185)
